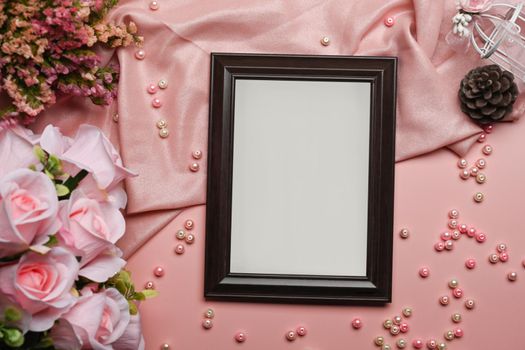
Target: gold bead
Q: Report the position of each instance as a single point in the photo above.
(209, 313)
(388, 324)
(164, 133)
(407, 312)
(479, 197)
(456, 318)
(181, 234)
(379, 341)
(161, 124)
(164, 346)
(481, 178)
(325, 41)
(449, 335)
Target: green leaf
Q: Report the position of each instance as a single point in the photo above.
(13, 337)
(40, 154)
(12, 314)
(54, 165)
(49, 175)
(132, 308)
(149, 293)
(138, 296)
(53, 241)
(62, 190)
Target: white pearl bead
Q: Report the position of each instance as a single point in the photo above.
(163, 84)
(164, 346)
(154, 5)
(164, 133)
(325, 41)
(404, 233)
(181, 234)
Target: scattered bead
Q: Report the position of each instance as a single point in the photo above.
(462, 163)
(149, 285)
(456, 235)
(446, 236)
(458, 332)
(493, 258)
(401, 343)
(487, 150)
(470, 264)
(453, 284)
(181, 234)
(457, 292)
(439, 246)
(488, 128)
(471, 232)
(325, 41)
(194, 167)
(453, 224)
(158, 272)
(163, 83)
(453, 214)
(162, 123)
(165, 346)
(456, 318)
(474, 171)
(449, 245)
(397, 320)
(504, 257)
(463, 228)
(404, 233)
(240, 337)
(152, 88)
(190, 238)
(478, 197)
(501, 247)
(482, 138)
(481, 178)
(442, 346)
(115, 117)
(407, 312)
(140, 54)
(465, 174)
(207, 323)
(417, 344)
(424, 272)
(156, 103)
(481, 163)
(291, 335)
(389, 21)
(480, 237)
(379, 341)
(388, 324)
(196, 154)
(154, 5)
(470, 304)
(164, 133)
(301, 331)
(189, 224)
(444, 300)
(179, 249)
(209, 313)
(512, 276)
(357, 323)
(394, 330)
(449, 335)
(386, 347)
(432, 344)
(403, 327)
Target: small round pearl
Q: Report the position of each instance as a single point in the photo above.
(158, 272)
(181, 234)
(394, 330)
(456, 235)
(152, 88)
(481, 237)
(379, 341)
(470, 304)
(165, 346)
(442, 346)
(463, 228)
(488, 128)
(453, 284)
(404, 233)
(478, 197)
(504, 257)
(397, 320)
(194, 167)
(453, 223)
(501, 247)
(325, 41)
(465, 174)
(389, 21)
(188, 224)
(474, 171)
(481, 163)
(156, 103)
(446, 236)
(407, 312)
(512, 276)
(115, 117)
(301, 331)
(462, 163)
(449, 335)
(240, 337)
(439, 246)
(164, 133)
(291, 335)
(431, 344)
(457, 292)
(487, 150)
(456, 318)
(482, 138)
(424, 272)
(493, 258)
(444, 300)
(481, 178)
(162, 123)
(470, 264)
(149, 285)
(140, 54)
(417, 344)
(190, 238)
(388, 324)
(453, 214)
(458, 332)
(207, 323)
(196, 154)
(471, 232)
(163, 84)
(403, 327)
(449, 245)
(154, 5)
(386, 347)
(357, 323)
(209, 313)
(401, 343)
(179, 249)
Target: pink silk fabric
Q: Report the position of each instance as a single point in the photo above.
(179, 38)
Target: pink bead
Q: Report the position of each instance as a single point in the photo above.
(444, 300)
(417, 344)
(158, 272)
(453, 223)
(462, 163)
(488, 128)
(154, 5)
(190, 238)
(432, 344)
(149, 285)
(189, 224)
(463, 228)
(291, 335)
(487, 150)
(357, 323)
(301, 331)
(446, 236)
(503, 257)
(140, 54)
(480, 237)
(194, 167)
(458, 332)
(471, 232)
(474, 171)
(457, 292)
(449, 245)
(403, 327)
(453, 214)
(470, 263)
(501, 247)
(481, 163)
(424, 272)
(152, 88)
(456, 235)
(464, 174)
(439, 246)
(207, 324)
(156, 103)
(196, 154)
(389, 21)
(482, 138)
(179, 249)
(240, 337)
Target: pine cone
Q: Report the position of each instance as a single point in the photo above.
(487, 94)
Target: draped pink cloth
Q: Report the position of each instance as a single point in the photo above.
(179, 38)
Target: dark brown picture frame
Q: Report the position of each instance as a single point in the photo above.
(375, 288)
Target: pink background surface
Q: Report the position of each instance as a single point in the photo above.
(427, 187)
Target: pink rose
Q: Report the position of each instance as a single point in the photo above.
(132, 338)
(16, 149)
(53, 142)
(97, 319)
(475, 6)
(41, 285)
(92, 151)
(28, 211)
(91, 229)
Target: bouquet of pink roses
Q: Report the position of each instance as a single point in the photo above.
(62, 280)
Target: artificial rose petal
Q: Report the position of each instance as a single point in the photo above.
(64, 336)
(102, 268)
(53, 142)
(132, 338)
(16, 149)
